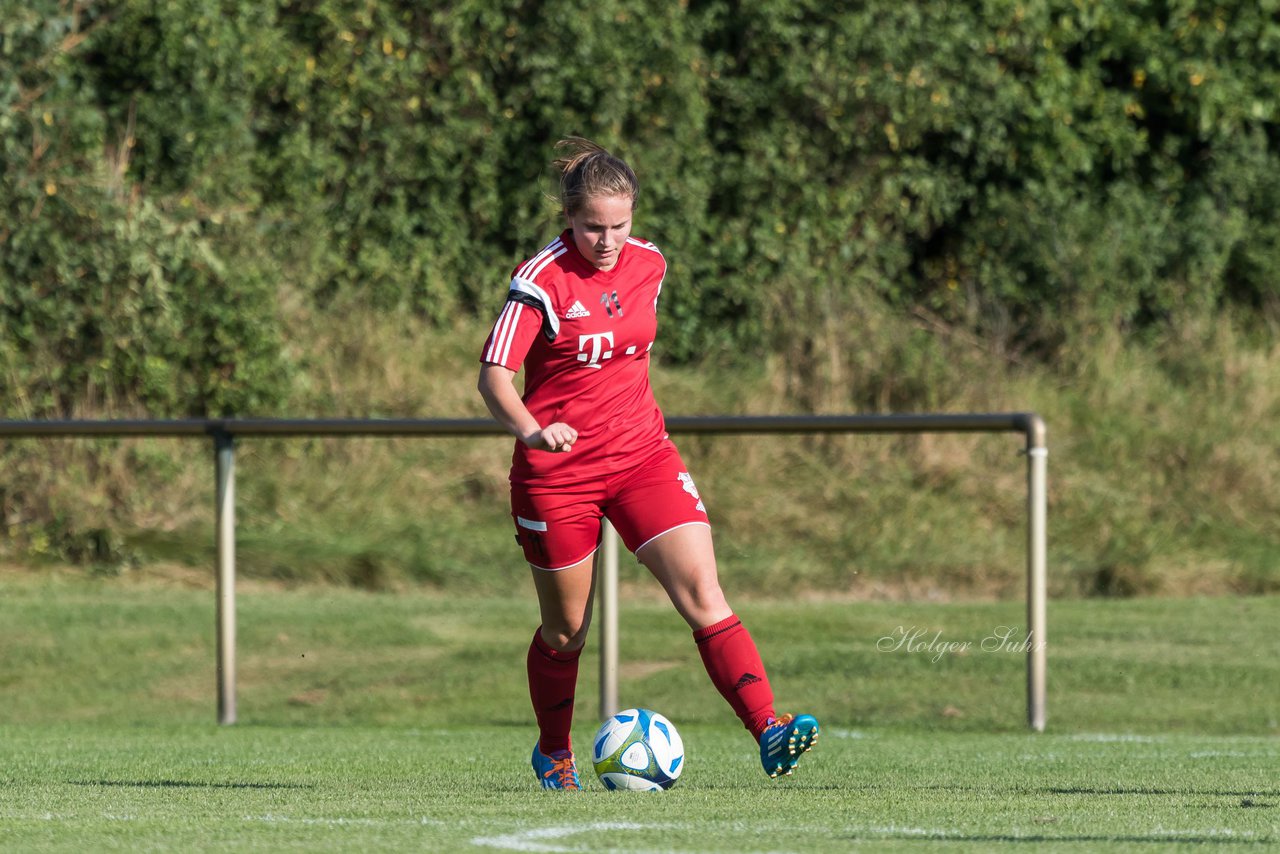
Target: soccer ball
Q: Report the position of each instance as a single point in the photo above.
(638, 749)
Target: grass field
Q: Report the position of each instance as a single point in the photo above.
(76, 787)
(399, 722)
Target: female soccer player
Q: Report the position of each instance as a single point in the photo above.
(581, 316)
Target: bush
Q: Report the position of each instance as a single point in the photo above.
(112, 297)
(871, 194)
(1008, 165)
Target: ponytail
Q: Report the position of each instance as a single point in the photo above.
(589, 171)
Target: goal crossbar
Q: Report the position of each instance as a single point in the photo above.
(223, 432)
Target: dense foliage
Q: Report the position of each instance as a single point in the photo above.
(1028, 170)
(195, 195)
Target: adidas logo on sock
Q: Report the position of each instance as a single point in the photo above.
(578, 310)
(745, 680)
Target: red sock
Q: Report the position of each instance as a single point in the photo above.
(732, 661)
(553, 678)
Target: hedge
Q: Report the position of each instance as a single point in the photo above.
(1026, 169)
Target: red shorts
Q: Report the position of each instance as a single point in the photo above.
(559, 526)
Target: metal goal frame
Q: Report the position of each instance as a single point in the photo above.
(224, 433)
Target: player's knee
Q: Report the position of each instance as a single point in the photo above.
(704, 599)
(565, 637)
(714, 607)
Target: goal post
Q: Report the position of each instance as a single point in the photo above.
(224, 432)
(1036, 451)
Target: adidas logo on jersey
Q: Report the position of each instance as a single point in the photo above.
(578, 310)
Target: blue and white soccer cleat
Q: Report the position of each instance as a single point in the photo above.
(784, 740)
(557, 771)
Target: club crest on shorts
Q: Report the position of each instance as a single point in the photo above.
(687, 481)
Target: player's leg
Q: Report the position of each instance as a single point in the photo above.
(683, 561)
(564, 600)
(661, 517)
(559, 531)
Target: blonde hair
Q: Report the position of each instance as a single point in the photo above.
(589, 171)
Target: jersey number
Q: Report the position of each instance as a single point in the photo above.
(610, 309)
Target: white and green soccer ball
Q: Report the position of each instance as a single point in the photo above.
(638, 749)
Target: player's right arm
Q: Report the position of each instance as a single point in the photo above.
(497, 387)
(517, 326)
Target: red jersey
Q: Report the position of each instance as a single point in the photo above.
(583, 336)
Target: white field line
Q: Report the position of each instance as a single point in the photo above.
(831, 732)
(892, 831)
(543, 839)
(1225, 832)
(338, 821)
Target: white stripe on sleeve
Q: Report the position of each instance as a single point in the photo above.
(511, 331)
(499, 330)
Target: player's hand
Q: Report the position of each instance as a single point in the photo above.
(557, 438)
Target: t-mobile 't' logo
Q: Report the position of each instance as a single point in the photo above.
(598, 342)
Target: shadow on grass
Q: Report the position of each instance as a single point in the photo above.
(187, 784)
